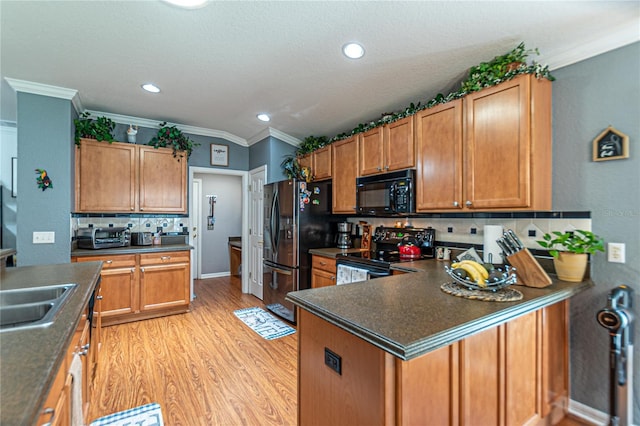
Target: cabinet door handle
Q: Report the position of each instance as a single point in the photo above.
(50, 411)
(131, 208)
(109, 262)
(333, 277)
(165, 258)
(99, 297)
(379, 168)
(323, 263)
(456, 204)
(386, 167)
(468, 203)
(141, 209)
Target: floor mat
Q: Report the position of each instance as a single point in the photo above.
(147, 415)
(263, 323)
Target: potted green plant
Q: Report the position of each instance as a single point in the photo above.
(571, 262)
(99, 128)
(171, 136)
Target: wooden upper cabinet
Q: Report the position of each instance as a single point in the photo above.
(399, 147)
(322, 163)
(129, 178)
(372, 152)
(306, 161)
(344, 159)
(106, 177)
(439, 157)
(387, 148)
(508, 145)
(163, 181)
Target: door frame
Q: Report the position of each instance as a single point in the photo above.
(195, 219)
(245, 216)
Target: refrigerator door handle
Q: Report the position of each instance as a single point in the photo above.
(275, 222)
(282, 271)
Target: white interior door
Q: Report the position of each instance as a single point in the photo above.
(257, 179)
(194, 220)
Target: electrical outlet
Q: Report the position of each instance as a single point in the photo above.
(615, 252)
(44, 237)
(333, 361)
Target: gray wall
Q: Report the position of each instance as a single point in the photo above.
(8, 149)
(271, 151)
(588, 97)
(228, 209)
(45, 141)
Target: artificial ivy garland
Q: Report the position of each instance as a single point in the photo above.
(485, 74)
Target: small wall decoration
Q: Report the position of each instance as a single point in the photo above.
(219, 155)
(43, 180)
(211, 219)
(611, 144)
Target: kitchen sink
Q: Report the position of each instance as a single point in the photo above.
(32, 306)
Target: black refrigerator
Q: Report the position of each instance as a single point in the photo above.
(297, 218)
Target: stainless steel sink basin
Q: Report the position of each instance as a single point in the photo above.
(33, 306)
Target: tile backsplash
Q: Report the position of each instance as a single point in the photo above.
(136, 224)
(471, 230)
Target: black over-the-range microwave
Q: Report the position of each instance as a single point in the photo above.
(389, 193)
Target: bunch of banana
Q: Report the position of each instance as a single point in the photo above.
(474, 270)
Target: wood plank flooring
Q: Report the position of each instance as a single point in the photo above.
(203, 368)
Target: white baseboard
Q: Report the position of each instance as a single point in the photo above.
(215, 275)
(588, 414)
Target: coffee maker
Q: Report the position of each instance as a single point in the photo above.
(343, 239)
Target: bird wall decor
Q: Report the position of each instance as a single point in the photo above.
(43, 180)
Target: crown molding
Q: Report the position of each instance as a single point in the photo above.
(46, 90)
(271, 132)
(623, 35)
(145, 122)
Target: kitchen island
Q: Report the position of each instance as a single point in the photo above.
(398, 350)
(32, 357)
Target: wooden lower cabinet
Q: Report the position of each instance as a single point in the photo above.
(142, 286)
(512, 374)
(323, 271)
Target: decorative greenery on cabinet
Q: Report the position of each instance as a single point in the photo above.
(486, 74)
(99, 128)
(171, 136)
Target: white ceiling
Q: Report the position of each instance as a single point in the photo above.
(220, 65)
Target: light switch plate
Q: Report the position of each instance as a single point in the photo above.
(616, 252)
(44, 237)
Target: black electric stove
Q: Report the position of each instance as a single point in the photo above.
(379, 261)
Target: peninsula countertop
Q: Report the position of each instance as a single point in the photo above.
(409, 315)
(31, 357)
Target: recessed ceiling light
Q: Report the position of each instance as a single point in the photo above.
(353, 50)
(263, 117)
(149, 87)
(188, 4)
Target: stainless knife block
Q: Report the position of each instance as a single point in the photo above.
(528, 270)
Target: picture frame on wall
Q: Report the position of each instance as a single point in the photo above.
(219, 155)
(610, 144)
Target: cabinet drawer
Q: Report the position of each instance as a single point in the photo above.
(324, 263)
(164, 257)
(111, 262)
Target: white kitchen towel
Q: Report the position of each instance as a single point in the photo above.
(491, 234)
(358, 275)
(343, 275)
(77, 416)
(348, 274)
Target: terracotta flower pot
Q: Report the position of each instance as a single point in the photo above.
(570, 266)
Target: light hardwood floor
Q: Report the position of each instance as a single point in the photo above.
(204, 367)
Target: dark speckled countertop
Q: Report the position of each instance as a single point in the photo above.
(131, 250)
(31, 357)
(408, 315)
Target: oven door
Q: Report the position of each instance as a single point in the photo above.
(352, 270)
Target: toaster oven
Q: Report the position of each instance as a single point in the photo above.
(99, 238)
